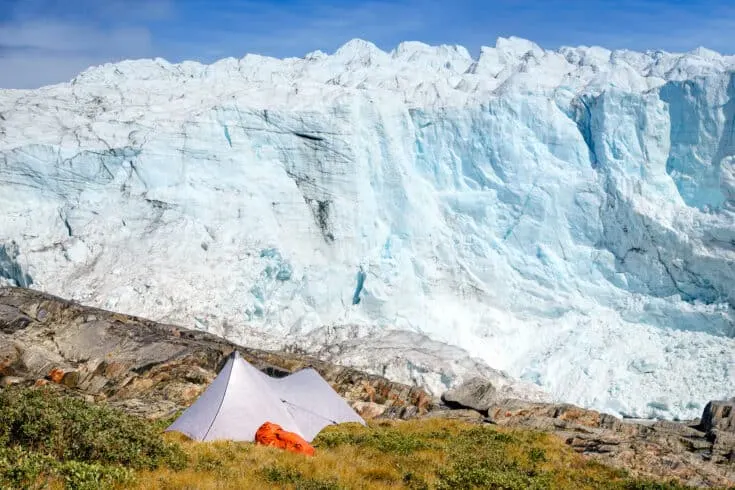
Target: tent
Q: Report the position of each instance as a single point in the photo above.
(241, 398)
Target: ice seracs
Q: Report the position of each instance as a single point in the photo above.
(564, 215)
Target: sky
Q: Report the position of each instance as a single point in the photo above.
(50, 41)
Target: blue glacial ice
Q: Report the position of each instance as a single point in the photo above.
(565, 216)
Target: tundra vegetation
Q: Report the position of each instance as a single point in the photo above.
(49, 440)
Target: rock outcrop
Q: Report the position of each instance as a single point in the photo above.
(476, 394)
(662, 449)
(719, 415)
(699, 453)
(150, 368)
(480, 393)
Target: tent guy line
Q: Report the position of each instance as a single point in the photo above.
(307, 410)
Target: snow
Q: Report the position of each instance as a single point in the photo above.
(567, 217)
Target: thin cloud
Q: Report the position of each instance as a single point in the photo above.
(57, 37)
(44, 52)
(21, 71)
(91, 10)
(46, 41)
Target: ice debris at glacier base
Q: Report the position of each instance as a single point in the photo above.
(567, 216)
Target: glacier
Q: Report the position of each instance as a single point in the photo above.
(564, 216)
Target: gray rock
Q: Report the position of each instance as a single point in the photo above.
(663, 449)
(463, 414)
(477, 393)
(719, 414)
(10, 380)
(481, 393)
(368, 410)
(723, 446)
(148, 368)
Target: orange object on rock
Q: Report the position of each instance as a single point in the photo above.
(270, 434)
(56, 375)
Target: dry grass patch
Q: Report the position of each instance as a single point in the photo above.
(428, 454)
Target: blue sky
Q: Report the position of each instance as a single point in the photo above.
(48, 41)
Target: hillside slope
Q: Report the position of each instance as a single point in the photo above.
(154, 370)
(148, 368)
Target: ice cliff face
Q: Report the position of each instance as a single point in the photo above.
(567, 216)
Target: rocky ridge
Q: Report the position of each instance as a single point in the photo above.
(698, 452)
(149, 368)
(154, 370)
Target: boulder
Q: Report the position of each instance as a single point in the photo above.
(477, 393)
(462, 414)
(368, 410)
(480, 393)
(10, 380)
(720, 415)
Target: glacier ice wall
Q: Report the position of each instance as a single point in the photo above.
(566, 216)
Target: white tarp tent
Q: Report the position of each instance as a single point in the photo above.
(241, 398)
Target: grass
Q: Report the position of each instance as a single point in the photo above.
(425, 454)
(47, 441)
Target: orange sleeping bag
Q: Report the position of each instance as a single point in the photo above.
(270, 434)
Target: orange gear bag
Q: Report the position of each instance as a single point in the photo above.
(270, 434)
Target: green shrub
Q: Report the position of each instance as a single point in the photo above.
(72, 429)
(91, 476)
(386, 440)
(45, 436)
(485, 436)
(479, 459)
(280, 474)
(316, 484)
(469, 471)
(537, 455)
(24, 469)
(209, 462)
(290, 476)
